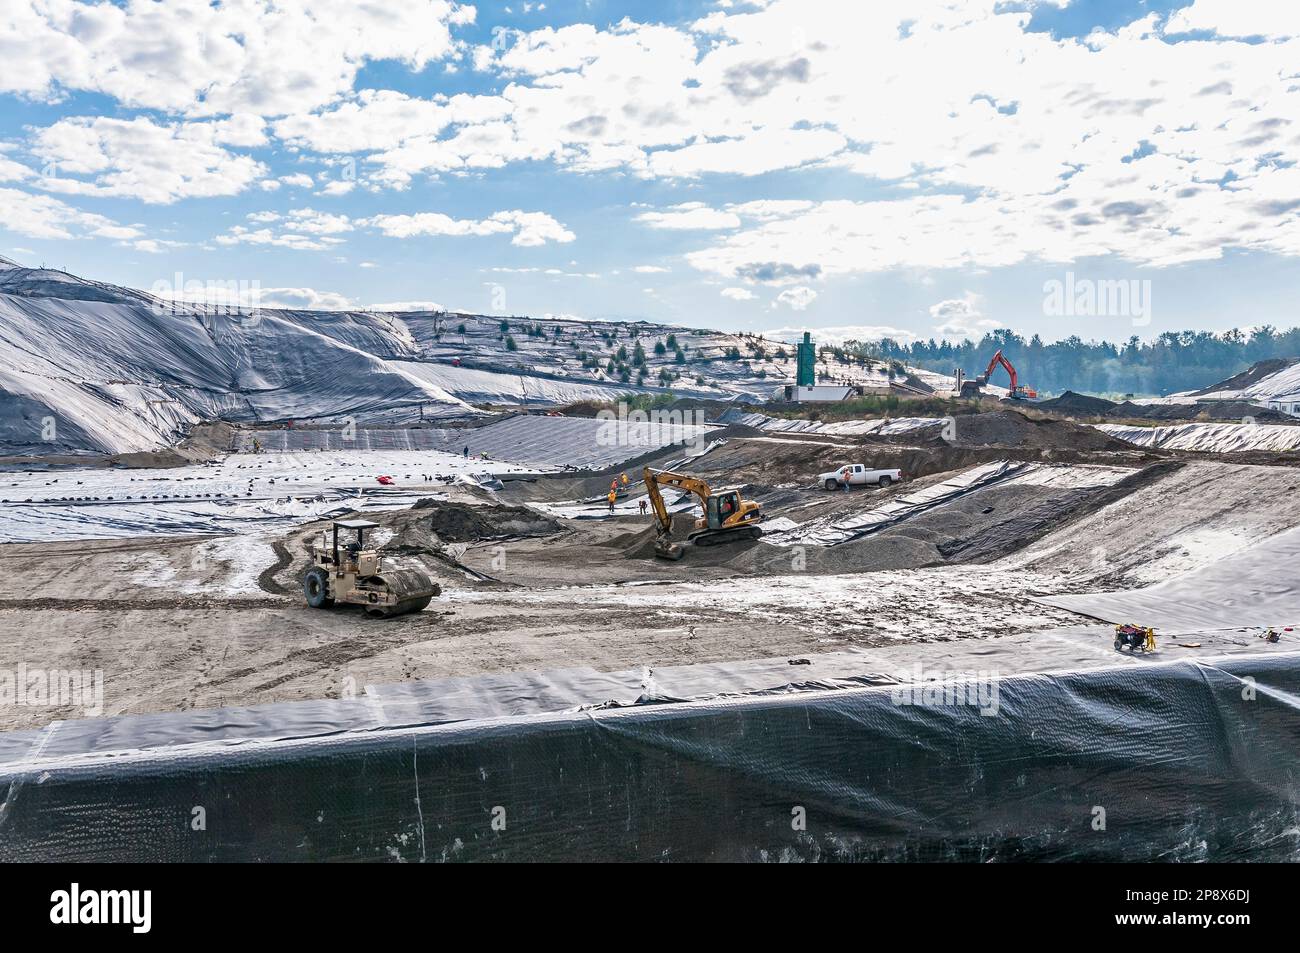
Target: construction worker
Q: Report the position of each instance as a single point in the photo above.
(612, 497)
(644, 506)
(624, 479)
(466, 451)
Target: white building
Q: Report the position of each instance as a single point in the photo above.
(1287, 404)
(819, 393)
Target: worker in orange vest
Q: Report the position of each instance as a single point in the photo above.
(612, 497)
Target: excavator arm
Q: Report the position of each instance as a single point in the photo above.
(1000, 358)
(657, 478)
(654, 479)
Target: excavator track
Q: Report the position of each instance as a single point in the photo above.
(720, 537)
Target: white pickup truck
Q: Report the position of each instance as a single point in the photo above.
(855, 474)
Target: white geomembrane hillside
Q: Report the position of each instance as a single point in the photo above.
(91, 367)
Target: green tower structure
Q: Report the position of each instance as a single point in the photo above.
(806, 363)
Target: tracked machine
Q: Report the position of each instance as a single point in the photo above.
(727, 517)
(1018, 391)
(347, 572)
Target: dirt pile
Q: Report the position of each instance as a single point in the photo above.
(1076, 405)
(1226, 410)
(641, 544)
(1007, 428)
(462, 523)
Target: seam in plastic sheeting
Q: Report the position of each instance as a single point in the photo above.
(833, 531)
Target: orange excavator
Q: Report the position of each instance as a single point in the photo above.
(1018, 391)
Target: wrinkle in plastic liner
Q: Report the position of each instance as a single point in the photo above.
(1252, 588)
(1191, 760)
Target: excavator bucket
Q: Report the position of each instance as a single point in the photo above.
(666, 549)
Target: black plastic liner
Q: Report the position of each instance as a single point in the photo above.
(1193, 760)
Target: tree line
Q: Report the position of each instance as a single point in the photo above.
(1173, 361)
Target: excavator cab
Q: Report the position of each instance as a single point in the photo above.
(721, 507)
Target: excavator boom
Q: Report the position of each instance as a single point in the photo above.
(1000, 358)
(1017, 391)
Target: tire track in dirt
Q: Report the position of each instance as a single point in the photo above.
(266, 578)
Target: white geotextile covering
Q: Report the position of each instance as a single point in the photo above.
(884, 426)
(123, 377)
(242, 490)
(1211, 438)
(1281, 383)
(118, 371)
(1253, 587)
(534, 440)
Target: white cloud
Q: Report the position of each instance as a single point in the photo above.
(1238, 18)
(11, 171)
(650, 269)
(738, 294)
(797, 298)
(317, 223)
(1121, 143)
(239, 235)
(299, 180)
(691, 216)
(197, 58)
(378, 119)
(338, 187)
(301, 229)
(155, 246)
(140, 159)
(961, 318)
(840, 334)
(43, 216)
(763, 150)
(408, 306)
(528, 228)
(304, 299)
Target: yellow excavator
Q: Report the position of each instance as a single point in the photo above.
(727, 518)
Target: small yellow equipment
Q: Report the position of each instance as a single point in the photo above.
(1135, 638)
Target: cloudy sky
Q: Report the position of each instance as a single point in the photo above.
(920, 167)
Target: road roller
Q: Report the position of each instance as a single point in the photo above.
(345, 571)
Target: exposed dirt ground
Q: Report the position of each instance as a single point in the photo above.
(201, 622)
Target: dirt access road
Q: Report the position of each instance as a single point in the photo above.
(163, 647)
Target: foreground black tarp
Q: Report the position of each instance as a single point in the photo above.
(1181, 761)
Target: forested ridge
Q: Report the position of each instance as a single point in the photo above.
(1174, 361)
